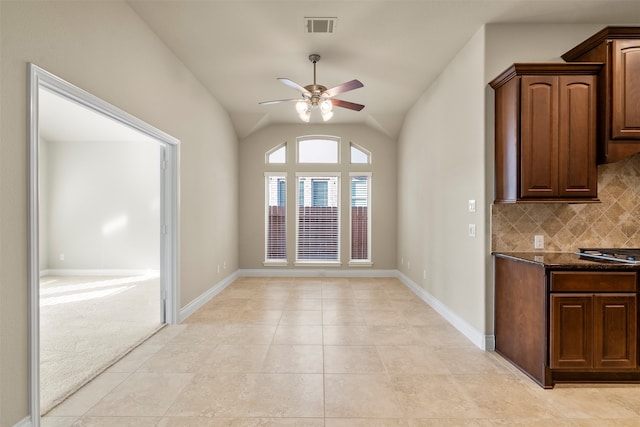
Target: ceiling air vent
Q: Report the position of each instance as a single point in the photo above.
(320, 25)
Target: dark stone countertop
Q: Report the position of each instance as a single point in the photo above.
(566, 261)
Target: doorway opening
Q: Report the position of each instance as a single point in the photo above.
(103, 264)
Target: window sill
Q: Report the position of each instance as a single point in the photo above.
(363, 263)
(275, 263)
(317, 263)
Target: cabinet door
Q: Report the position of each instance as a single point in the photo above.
(577, 173)
(625, 70)
(571, 334)
(614, 327)
(539, 136)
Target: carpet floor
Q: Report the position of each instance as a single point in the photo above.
(87, 324)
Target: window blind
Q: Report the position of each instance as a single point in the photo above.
(318, 219)
(276, 223)
(360, 217)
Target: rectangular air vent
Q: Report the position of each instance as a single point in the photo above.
(320, 25)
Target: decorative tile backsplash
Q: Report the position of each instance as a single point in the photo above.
(613, 223)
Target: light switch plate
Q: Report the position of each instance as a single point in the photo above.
(472, 205)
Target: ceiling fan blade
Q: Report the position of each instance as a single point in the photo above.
(344, 87)
(347, 104)
(294, 85)
(276, 101)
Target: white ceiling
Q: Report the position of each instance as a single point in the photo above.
(237, 48)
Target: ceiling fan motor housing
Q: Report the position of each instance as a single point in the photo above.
(316, 93)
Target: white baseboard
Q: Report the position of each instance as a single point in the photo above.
(484, 342)
(314, 272)
(25, 422)
(194, 305)
(98, 272)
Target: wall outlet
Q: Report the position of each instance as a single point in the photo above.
(224, 265)
(408, 265)
(218, 268)
(472, 230)
(61, 257)
(424, 274)
(538, 241)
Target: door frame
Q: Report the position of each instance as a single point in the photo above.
(169, 210)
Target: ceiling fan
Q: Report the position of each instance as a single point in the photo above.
(319, 96)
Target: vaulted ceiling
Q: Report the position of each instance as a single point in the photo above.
(237, 48)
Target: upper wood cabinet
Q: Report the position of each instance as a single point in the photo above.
(618, 89)
(545, 133)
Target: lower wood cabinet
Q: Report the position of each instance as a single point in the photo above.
(614, 331)
(592, 331)
(573, 325)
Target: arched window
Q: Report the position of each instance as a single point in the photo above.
(277, 154)
(359, 155)
(318, 149)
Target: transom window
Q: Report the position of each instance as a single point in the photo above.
(277, 154)
(359, 154)
(318, 149)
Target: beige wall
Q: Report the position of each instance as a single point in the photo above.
(440, 168)
(509, 43)
(252, 197)
(104, 48)
(445, 158)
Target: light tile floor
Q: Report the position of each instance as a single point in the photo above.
(328, 352)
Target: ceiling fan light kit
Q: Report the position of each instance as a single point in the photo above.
(304, 110)
(315, 95)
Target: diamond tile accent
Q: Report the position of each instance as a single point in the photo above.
(566, 227)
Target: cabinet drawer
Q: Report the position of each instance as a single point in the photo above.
(588, 281)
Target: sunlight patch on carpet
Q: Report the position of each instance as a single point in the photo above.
(89, 323)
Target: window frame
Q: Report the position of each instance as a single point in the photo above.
(346, 194)
(323, 263)
(360, 262)
(275, 261)
(272, 151)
